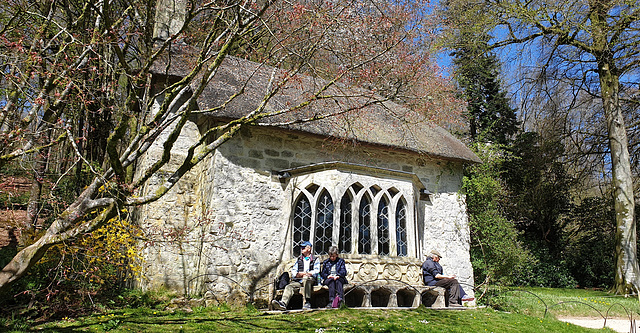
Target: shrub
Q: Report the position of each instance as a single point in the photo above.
(72, 278)
(106, 258)
(590, 252)
(495, 248)
(543, 270)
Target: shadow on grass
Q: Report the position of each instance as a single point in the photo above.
(239, 323)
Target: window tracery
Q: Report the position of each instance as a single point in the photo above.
(364, 226)
(383, 227)
(401, 228)
(364, 210)
(324, 224)
(301, 223)
(373, 219)
(344, 241)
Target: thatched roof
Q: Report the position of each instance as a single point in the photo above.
(358, 114)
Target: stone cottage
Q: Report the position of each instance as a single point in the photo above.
(378, 181)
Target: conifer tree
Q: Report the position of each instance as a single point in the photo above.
(491, 119)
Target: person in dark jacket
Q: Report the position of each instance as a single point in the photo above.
(303, 275)
(334, 275)
(433, 276)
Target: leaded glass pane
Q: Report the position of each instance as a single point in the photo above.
(324, 224)
(364, 229)
(301, 223)
(401, 228)
(383, 228)
(344, 243)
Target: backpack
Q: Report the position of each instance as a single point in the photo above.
(282, 281)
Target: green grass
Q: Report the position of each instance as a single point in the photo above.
(514, 311)
(346, 320)
(563, 302)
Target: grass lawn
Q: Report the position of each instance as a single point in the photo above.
(564, 303)
(347, 320)
(521, 310)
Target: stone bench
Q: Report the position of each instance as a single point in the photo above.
(375, 282)
(377, 294)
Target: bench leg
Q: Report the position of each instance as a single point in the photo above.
(393, 300)
(366, 301)
(440, 299)
(434, 298)
(417, 300)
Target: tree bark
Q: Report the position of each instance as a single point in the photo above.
(35, 193)
(626, 257)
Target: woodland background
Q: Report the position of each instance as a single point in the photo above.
(536, 88)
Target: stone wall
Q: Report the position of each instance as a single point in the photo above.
(224, 229)
(446, 230)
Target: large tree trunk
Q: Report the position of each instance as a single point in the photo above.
(626, 257)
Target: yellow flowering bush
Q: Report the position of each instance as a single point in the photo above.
(95, 268)
(108, 255)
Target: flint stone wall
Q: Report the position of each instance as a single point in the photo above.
(224, 231)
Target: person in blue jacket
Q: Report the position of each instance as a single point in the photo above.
(434, 276)
(334, 275)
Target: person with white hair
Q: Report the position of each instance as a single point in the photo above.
(304, 274)
(433, 275)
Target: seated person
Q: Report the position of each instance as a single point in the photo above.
(433, 276)
(334, 275)
(304, 274)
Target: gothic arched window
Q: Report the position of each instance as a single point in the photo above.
(362, 210)
(383, 227)
(401, 228)
(344, 242)
(324, 224)
(364, 226)
(301, 223)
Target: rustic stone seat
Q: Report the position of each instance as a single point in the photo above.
(375, 282)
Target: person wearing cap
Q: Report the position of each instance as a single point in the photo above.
(434, 276)
(304, 274)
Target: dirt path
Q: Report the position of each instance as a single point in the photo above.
(618, 325)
